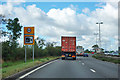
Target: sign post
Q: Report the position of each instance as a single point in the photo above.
(25, 53)
(33, 52)
(29, 38)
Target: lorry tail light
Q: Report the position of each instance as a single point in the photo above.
(73, 56)
(63, 55)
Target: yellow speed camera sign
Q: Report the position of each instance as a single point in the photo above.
(28, 35)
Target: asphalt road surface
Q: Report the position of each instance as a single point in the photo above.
(83, 67)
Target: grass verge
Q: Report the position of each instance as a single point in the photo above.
(106, 58)
(10, 68)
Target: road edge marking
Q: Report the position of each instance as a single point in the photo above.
(35, 70)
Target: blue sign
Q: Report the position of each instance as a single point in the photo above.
(28, 30)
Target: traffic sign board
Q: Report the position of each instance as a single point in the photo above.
(28, 30)
(28, 35)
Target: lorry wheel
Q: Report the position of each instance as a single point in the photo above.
(63, 58)
(74, 58)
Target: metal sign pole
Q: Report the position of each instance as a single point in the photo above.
(25, 53)
(33, 52)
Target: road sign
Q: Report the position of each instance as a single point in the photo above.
(29, 36)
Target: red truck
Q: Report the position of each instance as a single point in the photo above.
(68, 47)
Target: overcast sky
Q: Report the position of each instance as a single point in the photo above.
(53, 20)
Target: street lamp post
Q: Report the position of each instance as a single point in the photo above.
(96, 37)
(99, 34)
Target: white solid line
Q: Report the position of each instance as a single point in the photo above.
(83, 63)
(93, 70)
(35, 70)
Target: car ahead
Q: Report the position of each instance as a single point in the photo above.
(80, 54)
(115, 54)
(107, 53)
(85, 55)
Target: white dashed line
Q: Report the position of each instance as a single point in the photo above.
(93, 70)
(35, 70)
(83, 63)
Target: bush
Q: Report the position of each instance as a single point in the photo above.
(104, 58)
(12, 54)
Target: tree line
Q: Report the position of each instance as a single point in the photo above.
(11, 51)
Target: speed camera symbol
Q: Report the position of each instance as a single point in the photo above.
(29, 39)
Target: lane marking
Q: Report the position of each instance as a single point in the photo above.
(83, 63)
(35, 70)
(93, 70)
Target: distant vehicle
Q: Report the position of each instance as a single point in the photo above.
(85, 55)
(81, 54)
(115, 54)
(76, 53)
(68, 47)
(107, 53)
(80, 51)
(92, 52)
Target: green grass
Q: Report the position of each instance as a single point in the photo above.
(104, 58)
(9, 68)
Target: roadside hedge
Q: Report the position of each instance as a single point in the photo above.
(13, 54)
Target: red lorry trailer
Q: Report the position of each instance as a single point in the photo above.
(68, 47)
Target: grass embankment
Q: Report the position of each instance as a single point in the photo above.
(9, 68)
(107, 58)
